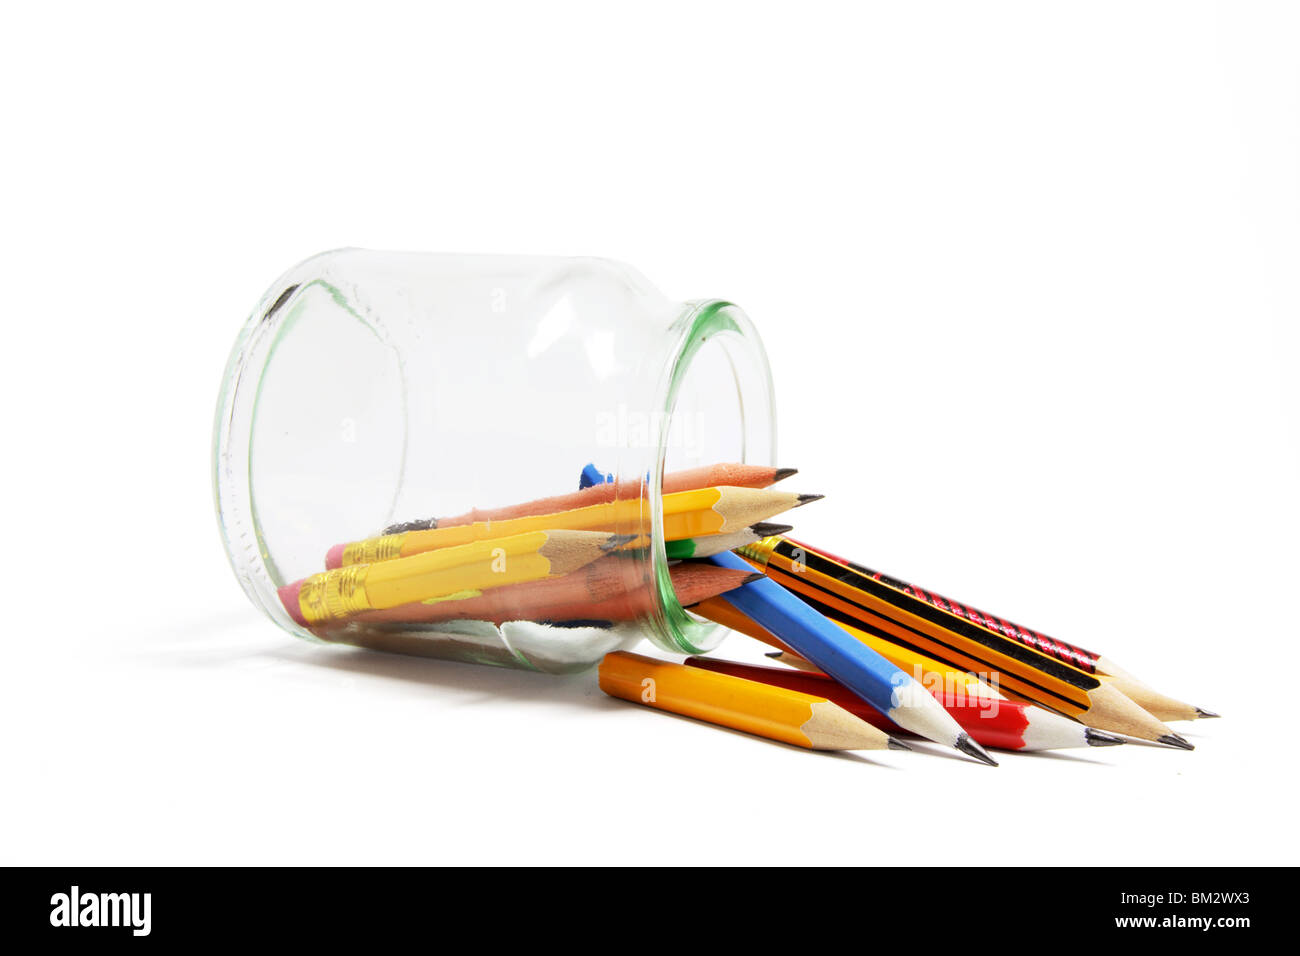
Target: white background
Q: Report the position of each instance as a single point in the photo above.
(1041, 259)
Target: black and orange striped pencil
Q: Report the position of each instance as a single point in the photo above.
(1159, 705)
(853, 597)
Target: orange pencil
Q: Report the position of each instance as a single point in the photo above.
(601, 591)
(734, 474)
(776, 713)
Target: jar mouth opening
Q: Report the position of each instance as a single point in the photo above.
(705, 326)
(239, 517)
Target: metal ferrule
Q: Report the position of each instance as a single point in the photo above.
(374, 549)
(334, 595)
(760, 551)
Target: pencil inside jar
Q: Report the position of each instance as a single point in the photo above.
(426, 585)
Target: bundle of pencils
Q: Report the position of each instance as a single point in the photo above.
(551, 561)
(869, 659)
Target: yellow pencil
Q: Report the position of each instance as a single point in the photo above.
(776, 713)
(337, 594)
(687, 514)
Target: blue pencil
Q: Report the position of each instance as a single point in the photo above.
(892, 691)
(591, 475)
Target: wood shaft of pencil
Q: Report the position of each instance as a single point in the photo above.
(1109, 709)
(762, 709)
(738, 475)
(1158, 705)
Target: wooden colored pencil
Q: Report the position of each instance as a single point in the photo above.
(1006, 724)
(930, 672)
(792, 717)
(497, 562)
(712, 544)
(883, 685)
(601, 591)
(1161, 706)
(734, 474)
(857, 599)
(686, 514)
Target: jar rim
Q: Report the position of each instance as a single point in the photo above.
(704, 321)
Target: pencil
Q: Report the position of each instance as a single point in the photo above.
(790, 716)
(602, 591)
(1005, 724)
(1159, 705)
(496, 562)
(734, 474)
(708, 545)
(686, 514)
(890, 690)
(930, 672)
(857, 599)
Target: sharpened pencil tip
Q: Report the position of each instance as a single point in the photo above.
(781, 474)
(420, 524)
(896, 744)
(805, 499)
(1203, 714)
(752, 577)
(967, 745)
(765, 529)
(775, 655)
(1099, 738)
(617, 541)
(1174, 740)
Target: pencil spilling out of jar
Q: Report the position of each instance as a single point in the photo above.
(398, 465)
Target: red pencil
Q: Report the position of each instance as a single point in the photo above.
(1006, 724)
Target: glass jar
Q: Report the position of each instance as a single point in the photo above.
(373, 389)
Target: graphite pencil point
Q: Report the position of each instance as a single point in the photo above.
(615, 541)
(775, 655)
(1174, 740)
(753, 577)
(1202, 714)
(805, 499)
(765, 529)
(1099, 738)
(967, 745)
(783, 473)
(896, 744)
(420, 524)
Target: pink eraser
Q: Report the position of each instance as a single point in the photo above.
(289, 598)
(334, 557)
